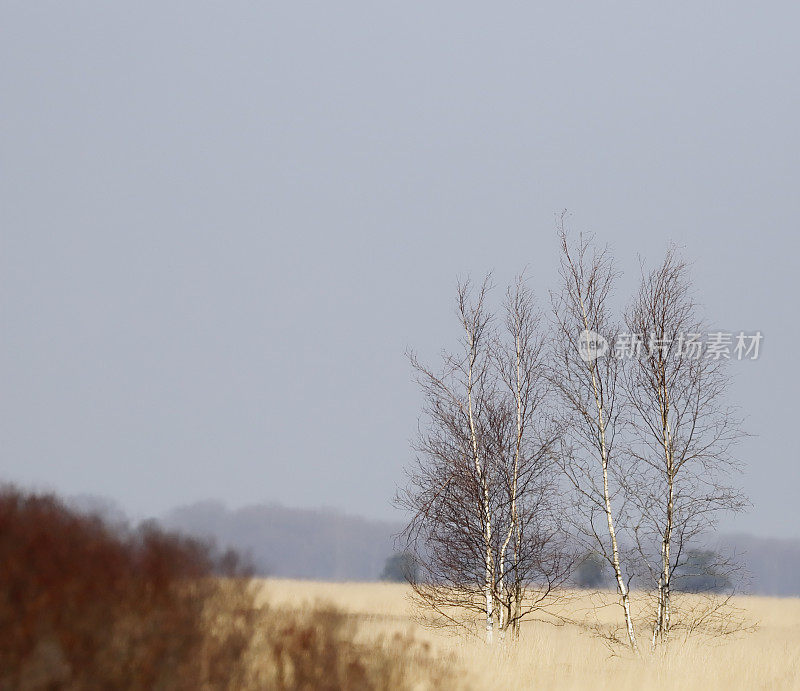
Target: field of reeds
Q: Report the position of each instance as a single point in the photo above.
(85, 605)
(549, 656)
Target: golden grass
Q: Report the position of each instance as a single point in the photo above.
(569, 657)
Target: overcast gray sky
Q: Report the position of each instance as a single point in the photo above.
(224, 222)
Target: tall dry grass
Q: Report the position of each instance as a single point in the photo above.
(85, 606)
(569, 656)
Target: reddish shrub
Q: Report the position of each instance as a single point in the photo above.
(83, 606)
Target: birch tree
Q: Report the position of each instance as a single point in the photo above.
(534, 558)
(451, 481)
(586, 379)
(480, 490)
(682, 431)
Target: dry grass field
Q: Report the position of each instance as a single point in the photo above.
(568, 657)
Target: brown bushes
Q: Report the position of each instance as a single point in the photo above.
(318, 650)
(83, 606)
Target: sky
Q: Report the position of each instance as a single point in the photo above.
(223, 224)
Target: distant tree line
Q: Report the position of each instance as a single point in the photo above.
(699, 575)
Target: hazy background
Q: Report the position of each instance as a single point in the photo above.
(222, 223)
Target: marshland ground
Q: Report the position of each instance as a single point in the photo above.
(569, 656)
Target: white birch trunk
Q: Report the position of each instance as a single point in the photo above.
(621, 585)
(480, 469)
(601, 424)
(515, 479)
(664, 580)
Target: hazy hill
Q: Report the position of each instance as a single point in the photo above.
(774, 564)
(298, 543)
(331, 545)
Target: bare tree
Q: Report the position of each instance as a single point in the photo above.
(642, 443)
(533, 558)
(480, 490)
(450, 490)
(586, 379)
(681, 430)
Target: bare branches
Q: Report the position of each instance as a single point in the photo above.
(482, 490)
(681, 431)
(530, 445)
(587, 384)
